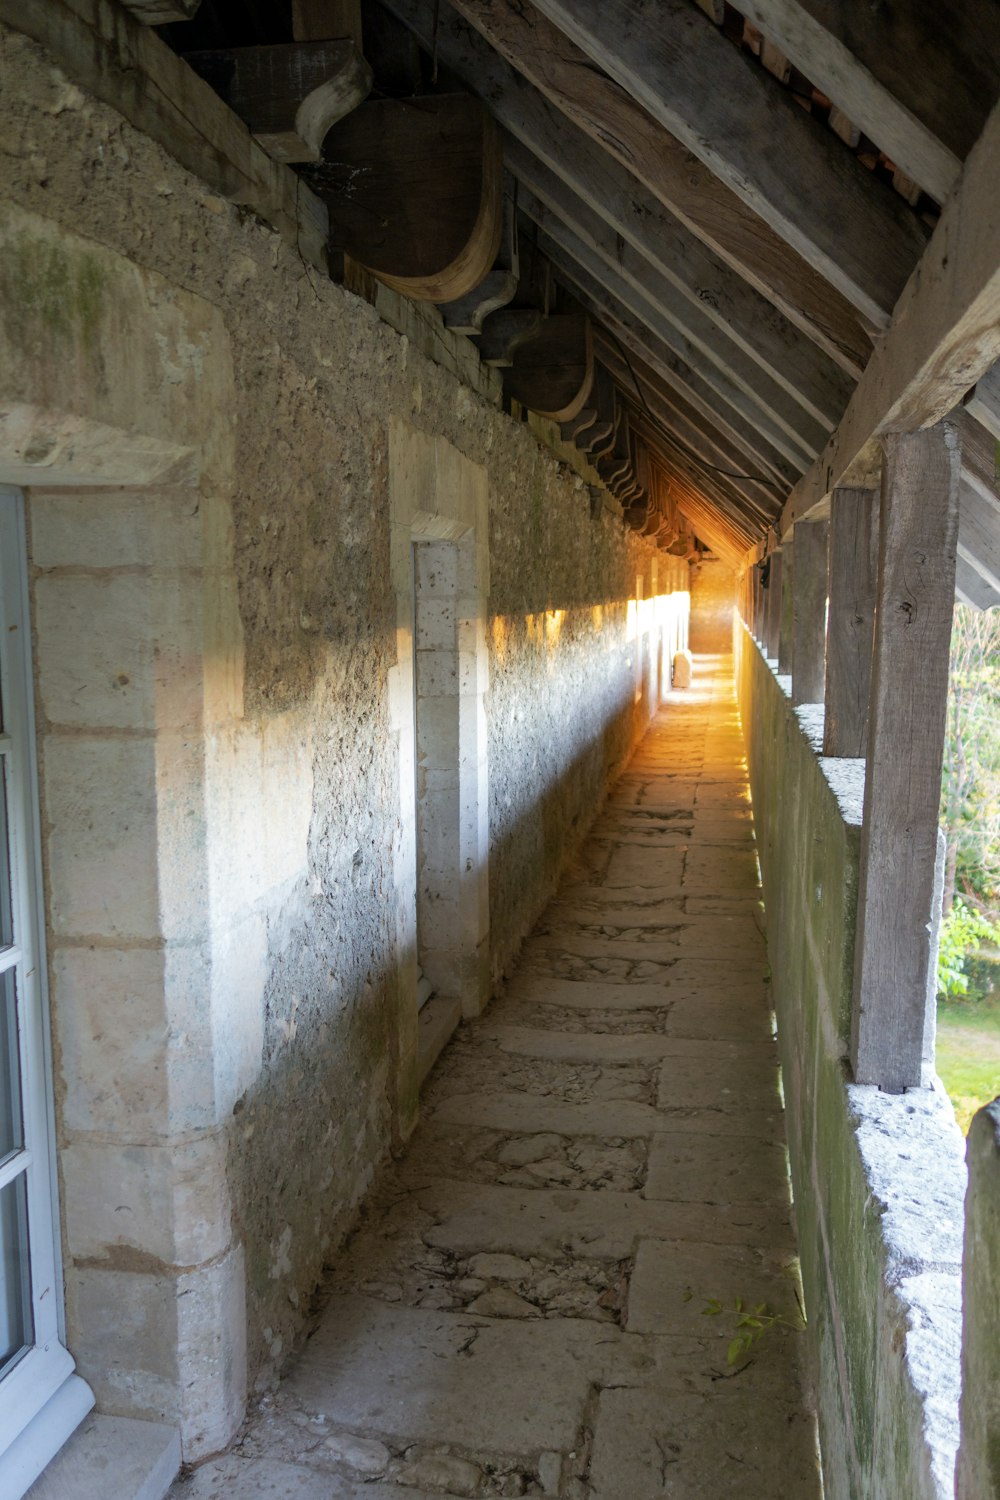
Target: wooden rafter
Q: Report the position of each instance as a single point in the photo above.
(863, 99)
(750, 134)
(781, 423)
(944, 337)
(565, 77)
(941, 62)
(728, 319)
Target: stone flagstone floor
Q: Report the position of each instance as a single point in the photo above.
(523, 1308)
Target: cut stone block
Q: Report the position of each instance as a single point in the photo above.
(727, 1446)
(416, 1375)
(698, 1169)
(114, 1458)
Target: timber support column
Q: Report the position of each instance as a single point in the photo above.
(809, 611)
(914, 604)
(786, 622)
(851, 626)
(774, 587)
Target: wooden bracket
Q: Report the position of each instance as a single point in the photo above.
(467, 314)
(504, 332)
(553, 373)
(289, 95)
(414, 189)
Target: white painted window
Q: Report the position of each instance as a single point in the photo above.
(41, 1400)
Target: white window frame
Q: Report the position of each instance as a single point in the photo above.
(41, 1399)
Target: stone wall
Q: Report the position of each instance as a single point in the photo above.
(203, 425)
(979, 1458)
(713, 599)
(878, 1179)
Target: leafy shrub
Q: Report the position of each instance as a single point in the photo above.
(963, 932)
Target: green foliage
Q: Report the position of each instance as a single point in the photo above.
(963, 932)
(752, 1322)
(970, 783)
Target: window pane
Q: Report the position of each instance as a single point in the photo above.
(11, 1126)
(17, 1327)
(6, 925)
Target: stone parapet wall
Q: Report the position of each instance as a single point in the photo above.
(979, 1458)
(878, 1179)
(201, 424)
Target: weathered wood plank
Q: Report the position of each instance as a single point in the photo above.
(828, 63)
(319, 20)
(786, 626)
(504, 331)
(809, 580)
(717, 309)
(979, 532)
(916, 588)
(941, 64)
(983, 402)
(161, 12)
(497, 288)
(288, 95)
(851, 622)
(750, 452)
(751, 134)
(945, 334)
(774, 586)
(635, 284)
(621, 129)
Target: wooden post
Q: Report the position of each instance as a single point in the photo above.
(759, 601)
(913, 617)
(774, 584)
(851, 624)
(809, 611)
(785, 632)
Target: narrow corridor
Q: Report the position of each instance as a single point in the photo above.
(527, 1307)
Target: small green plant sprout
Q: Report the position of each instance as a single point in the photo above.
(753, 1320)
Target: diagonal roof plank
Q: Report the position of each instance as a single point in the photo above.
(726, 429)
(748, 130)
(557, 206)
(663, 428)
(941, 62)
(945, 334)
(844, 78)
(714, 469)
(717, 515)
(733, 399)
(711, 437)
(983, 401)
(626, 137)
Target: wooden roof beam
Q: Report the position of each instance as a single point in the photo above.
(664, 422)
(621, 129)
(828, 63)
(940, 62)
(730, 320)
(729, 427)
(684, 328)
(749, 132)
(944, 338)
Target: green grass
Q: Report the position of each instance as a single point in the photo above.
(968, 1054)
